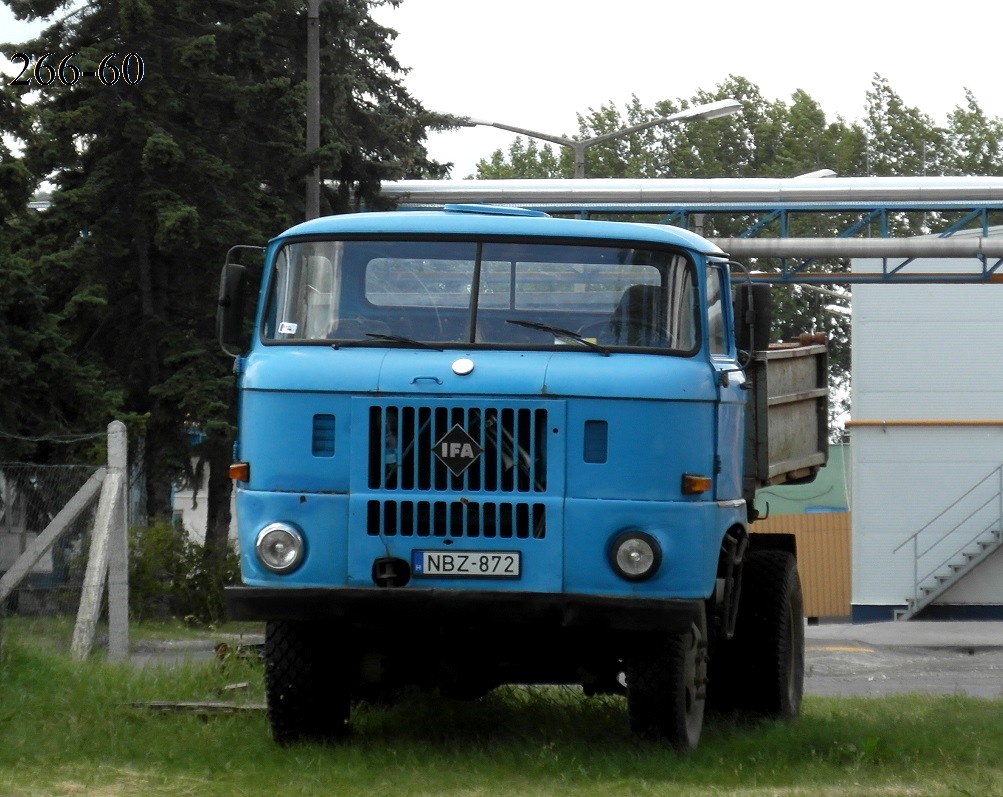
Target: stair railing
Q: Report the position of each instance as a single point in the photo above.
(913, 539)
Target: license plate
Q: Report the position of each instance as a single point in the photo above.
(467, 564)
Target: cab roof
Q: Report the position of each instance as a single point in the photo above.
(497, 220)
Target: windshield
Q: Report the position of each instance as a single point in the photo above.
(515, 294)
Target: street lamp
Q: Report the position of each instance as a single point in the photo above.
(711, 110)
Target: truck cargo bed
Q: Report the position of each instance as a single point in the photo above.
(789, 413)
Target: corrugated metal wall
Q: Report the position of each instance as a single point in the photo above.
(823, 541)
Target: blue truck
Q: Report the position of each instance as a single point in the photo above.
(483, 445)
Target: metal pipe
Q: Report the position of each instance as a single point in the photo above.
(826, 192)
(922, 422)
(961, 246)
(749, 195)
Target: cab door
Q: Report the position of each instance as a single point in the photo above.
(731, 381)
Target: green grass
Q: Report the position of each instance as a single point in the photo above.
(56, 631)
(72, 728)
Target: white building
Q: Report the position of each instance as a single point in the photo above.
(927, 453)
(190, 509)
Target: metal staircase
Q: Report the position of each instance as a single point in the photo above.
(942, 558)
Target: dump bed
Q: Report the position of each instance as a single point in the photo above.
(788, 429)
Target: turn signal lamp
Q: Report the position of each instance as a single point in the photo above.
(240, 471)
(696, 485)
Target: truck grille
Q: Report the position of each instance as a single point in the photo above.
(510, 459)
(512, 441)
(456, 519)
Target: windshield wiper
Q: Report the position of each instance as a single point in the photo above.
(561, 334)
(401, 339)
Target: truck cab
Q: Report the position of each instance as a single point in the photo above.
(482, 445)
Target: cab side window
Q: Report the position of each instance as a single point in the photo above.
(715, 312)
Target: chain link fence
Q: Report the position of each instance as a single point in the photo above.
(48, 597)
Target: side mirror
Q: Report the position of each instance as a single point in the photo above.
(230, 310)
(753, 315)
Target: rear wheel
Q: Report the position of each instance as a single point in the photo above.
(666, 686)
(306, 691)
(761, 670)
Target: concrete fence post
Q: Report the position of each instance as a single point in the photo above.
(118, 561)
(109, 558)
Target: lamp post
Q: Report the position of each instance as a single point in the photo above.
(711, 110)
(313, 106)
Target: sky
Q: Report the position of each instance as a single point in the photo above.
(537, 64)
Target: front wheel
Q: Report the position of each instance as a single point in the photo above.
(306, 691)
(666, 686)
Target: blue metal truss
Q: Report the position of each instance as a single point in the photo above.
(775, 220)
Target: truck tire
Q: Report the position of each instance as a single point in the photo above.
(666, 686)
(760, 672)
(306, 693)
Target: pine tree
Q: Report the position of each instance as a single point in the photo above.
(189, 140)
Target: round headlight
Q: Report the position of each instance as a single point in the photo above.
(635, 555)
(279, 547)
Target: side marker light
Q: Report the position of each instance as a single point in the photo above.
(696, 485)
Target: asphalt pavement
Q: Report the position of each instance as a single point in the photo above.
(914, 657)
(932, 634)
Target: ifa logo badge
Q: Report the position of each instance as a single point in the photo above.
(457, 450)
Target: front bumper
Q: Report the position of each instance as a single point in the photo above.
(395, 607)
